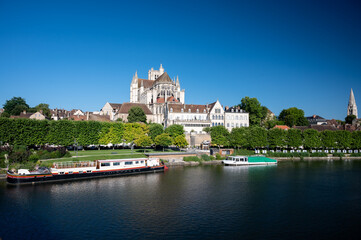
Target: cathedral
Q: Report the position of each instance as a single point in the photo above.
(156, 92)
(352, 108)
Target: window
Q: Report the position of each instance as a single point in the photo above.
(204, 110)
(71, 172)
(128, 163)
(232, 124)
(61, 172)
(80, 171)
(236, 124)
(189, 110)
(197, 110)
(89, 171)
(142, 162)
(227, 124)
(232, 110)
(105, 164)
(182, 110)
(137, 162)
(116, 163)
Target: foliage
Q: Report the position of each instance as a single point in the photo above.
(61, 132)
(191, 159)
(311, 139)
(243, 152)
(338, 155)
(349, 119)
(220, 136)
(343, 139)
(356, 139)
(144, 141)
(155, 129)
(257, 137)
(205, 157)
(276, 137)
(5, 115)
(355, 154)
(180, 141)
(175, 130)
(293, 117)
(163, 140)
(318, 154)
(15, 105)
(133, 131)
(207, 129)
(294, 138)
(255, 110)
(136, 114)
(289, 154)
(328, 139)
(272, 123)
(238, 137)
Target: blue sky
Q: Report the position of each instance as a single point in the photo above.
(81, 54)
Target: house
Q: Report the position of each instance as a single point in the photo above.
(38, 115)
(120, 111)
(235, 117)
(316, 120)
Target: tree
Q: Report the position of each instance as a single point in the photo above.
(294, 138)
(144, 141)
(349, 119)
(311, 139)
(175, 130)
(356, 139)
(257, 137)
(220, 136)
(293, 117)
(180, 141)
(44, 108)
(133, 131)
(15, 106)
(255, 110)
(155, 129)
(276, 137)
(109, 138)
(328, 139)
(136, 114)
(343, 139)
(238, 137)
(163, 140)
(207, 129)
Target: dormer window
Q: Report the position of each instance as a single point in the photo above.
(189, 110)
(232, 110)
(171, 109)
(182, 110)
(197, 110)
(204, 111)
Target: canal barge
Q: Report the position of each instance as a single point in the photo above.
(248, 160)
(83, 170)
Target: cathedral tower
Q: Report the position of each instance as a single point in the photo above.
(352, 108)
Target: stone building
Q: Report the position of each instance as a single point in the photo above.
(235, 117)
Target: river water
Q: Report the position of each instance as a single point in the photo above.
(294, 200)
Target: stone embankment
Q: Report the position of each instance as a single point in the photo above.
(191, 163)
(315, 158)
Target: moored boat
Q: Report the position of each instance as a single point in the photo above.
(80, 170)
(248, 160)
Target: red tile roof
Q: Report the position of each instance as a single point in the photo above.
(283, 127)
(193, 108)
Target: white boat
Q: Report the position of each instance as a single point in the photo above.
(248, 160)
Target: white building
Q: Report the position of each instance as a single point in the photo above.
(235, 117)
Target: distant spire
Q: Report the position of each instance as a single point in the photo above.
(136, 74)
(352, 108)
(177, 83)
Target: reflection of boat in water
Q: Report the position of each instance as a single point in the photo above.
(248, 160)
(81, 170)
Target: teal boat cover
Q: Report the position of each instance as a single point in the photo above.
(261, 159)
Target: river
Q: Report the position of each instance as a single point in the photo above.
(293, 200)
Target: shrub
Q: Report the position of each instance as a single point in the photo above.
(21, 156)
(67, 154)
(34, 157)
(355, 155)
(205, 157)
(218, 156)
(338, 154)
(212, 158)
(319, 154)
(243, 152)
(56, 154)
(191, 159)
(44, 154)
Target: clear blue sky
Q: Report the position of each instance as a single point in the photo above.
(81, 54)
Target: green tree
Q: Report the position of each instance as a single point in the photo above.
(294, 138)
(15, 106)
(61, 132)
(220, 136)
(343, 139)
(175, 130)
(163, 140)
(257, 137)
(238, 137)
(276, 137)
(293, 117)
(133, 131)
(356, 139)
(136, 114)
(328, 139)
(44, 108)
(155, 129)
(180, 141)
(207, 129)
(349, 119)
(256, 112)
(272, 123)
(311, 139)
(144, 141)
(109, 138)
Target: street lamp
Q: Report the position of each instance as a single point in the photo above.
(76, 147)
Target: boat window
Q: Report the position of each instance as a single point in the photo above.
(141, 161)
(71, 172)
(89, 171)
(128, 163)
(61, 172)
(116, 163)
(80, 171)
(105, 164)
(137, 162)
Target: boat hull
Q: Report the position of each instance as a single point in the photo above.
(43, 178)
(249, 163)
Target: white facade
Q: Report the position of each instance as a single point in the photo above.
(235, 117)
(217, 114)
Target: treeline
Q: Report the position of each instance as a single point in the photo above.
(30, 132)
(258, 137)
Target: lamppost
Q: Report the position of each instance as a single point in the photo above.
(6, 161)
(132, 146)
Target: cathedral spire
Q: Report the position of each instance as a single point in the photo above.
(177, 83)
(352, 108)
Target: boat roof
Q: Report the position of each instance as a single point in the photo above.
(122, 160)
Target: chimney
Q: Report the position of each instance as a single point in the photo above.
(227, 108)
(24, 112)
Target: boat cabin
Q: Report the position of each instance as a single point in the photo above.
(238, 158)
